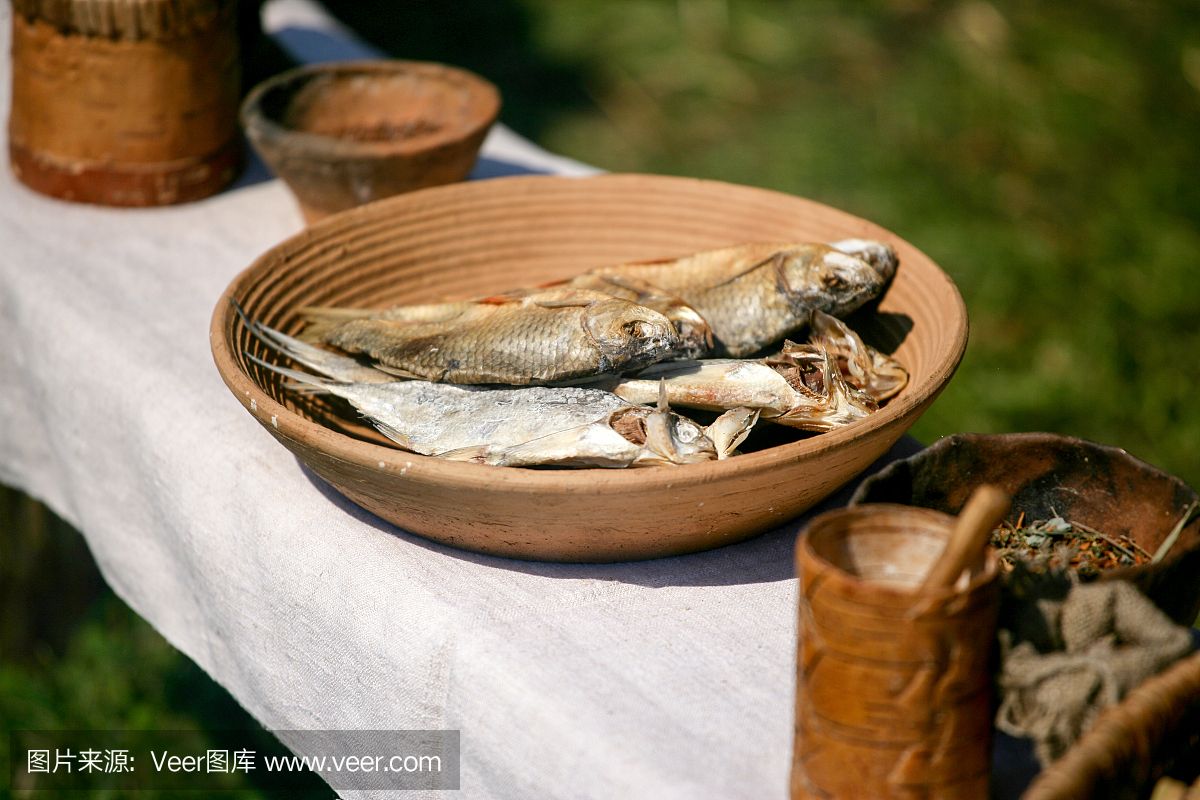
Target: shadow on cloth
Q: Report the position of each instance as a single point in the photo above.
(762, 559)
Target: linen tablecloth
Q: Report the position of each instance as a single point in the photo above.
(665, 679)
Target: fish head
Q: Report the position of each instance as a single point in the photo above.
(628, 335)
(880, 255)
(823, 278)
(695, 334)
(662, 436)
(675, 439)
(824, 399)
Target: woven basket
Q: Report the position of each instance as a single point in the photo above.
(1154, 732)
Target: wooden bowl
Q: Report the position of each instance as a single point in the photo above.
(346, 133)
(489, 236)
(1048, 474)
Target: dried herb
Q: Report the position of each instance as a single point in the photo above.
(1059, 545)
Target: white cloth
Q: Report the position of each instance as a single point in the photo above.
(665, 679)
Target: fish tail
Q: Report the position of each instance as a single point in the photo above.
(478, 454)
(331, 365)
(311, 383)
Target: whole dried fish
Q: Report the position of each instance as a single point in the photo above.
(800, 388)
(545, 337)
(865, 368)
(529, 426)
(695, 337)
(754, 295)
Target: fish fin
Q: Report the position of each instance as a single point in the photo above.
(269, 336)
(631, 284)
(729, 430)
(565, 302)
(315, 383)
(391, 433)
(399, 372)
(303, 388)
(652, 262)
(663, 405)
(331, 365)
(776, 259)
(478, 454)
(322, 320)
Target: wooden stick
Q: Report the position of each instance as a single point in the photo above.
(985, 509)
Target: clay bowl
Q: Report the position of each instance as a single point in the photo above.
(347, 133)
(1047, 474)
(488, 236)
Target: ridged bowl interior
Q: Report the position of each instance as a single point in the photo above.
(475, 238)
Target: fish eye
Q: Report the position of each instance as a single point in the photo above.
(834, 281)
(639, 329)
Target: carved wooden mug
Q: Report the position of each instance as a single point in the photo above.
(893, 692)
(125, 102)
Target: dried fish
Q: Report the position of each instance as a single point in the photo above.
(712, 385)
(865, 368)
(545, 337)
(634, 436)
(528, 426)
(800, 388)
(695, 337)
(754, 295)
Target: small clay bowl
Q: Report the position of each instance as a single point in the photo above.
(472, 238)
(346, 133)
(1099, 486)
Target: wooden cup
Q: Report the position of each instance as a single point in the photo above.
(893, 686)
(125, 102)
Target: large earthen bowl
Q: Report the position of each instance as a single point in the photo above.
(346, 133)
(1050, 475)
(488, 236)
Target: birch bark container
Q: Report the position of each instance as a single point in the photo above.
(893, 691)
(125, 102)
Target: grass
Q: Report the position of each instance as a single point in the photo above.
(1045, 154)
(74, 657)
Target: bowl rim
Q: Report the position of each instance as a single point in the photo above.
(285, 423)
(1023, 438)
(819, 527)
(261, 127)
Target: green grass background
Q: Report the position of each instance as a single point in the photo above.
(1046, 155)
